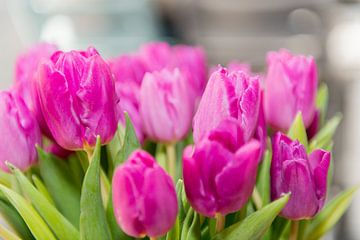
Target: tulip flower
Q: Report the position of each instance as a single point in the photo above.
(220, 171)
(144, 197)
(25, 76)
(166, 108)
(77, 96)
(19, 133)
(235, 95)
(191, 61)
(129, 71)
(304, 176)
(291, 82)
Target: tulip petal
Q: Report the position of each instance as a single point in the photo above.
(234, 192)
(297, 179)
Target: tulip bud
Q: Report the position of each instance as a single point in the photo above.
(233, 66)
(144, 197)
(129, 72)
(19, 132)
(235, 95)
(191, 61)
(290, 79)
(77, 96)
(165, 106)
(210, 167)
(304, 176)
(25, 77)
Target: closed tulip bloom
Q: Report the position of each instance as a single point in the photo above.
(129, 71)
(144, 197)
(220, 171)
(290, 79)
(304, 176)
(190, 60)
(77, 96)
(19, 133)
(25, 75)
(228, 94)
(166, 108)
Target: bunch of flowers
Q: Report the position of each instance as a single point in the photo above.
(147, 145)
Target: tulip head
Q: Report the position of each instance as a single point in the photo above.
(25, 76)
(235, 95)
(290, 79)
(191, 61)
(19, 132)
(209, 169)
(166, 108)
(144, 197)
(129, 71)
(304, 176)
(77, 96)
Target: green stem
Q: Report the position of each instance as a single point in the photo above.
(257, 198)
(171, 159)
(294, 230)
(220, 222)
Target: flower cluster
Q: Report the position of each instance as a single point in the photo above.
(235, 142)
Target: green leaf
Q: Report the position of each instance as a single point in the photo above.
(279, 227)
(324, 137)
(76, 169)
(297, 130)
(14, 219)
(256, 224)
(41, 188)
(36, 224)
(263, 180)
(174, 233)
(322, 99)
(59, 182)
(7, 234)
(330, 215)
(191, 226)
(57, 222)
(130, 142)
(114, 147)
(93, 224)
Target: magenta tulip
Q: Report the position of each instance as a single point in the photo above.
(166, 108)
(302, 175)
(220, 171)
(25, 77)
(291, 82)
(19, 133)
(144, 197)
(235, 95)
(129, 71)
(77, 96)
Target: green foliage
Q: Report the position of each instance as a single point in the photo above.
(93, 224)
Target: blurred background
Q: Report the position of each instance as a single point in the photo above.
(227, 29)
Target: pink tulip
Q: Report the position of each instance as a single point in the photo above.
(144, 197)
(19, 133)
(290, 87)
(129, 71)
(77, 96)
(25, 77)
(305, 176)
(220, 171)
(166, 108)
(235, 95)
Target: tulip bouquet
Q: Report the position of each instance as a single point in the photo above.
(153, 145)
